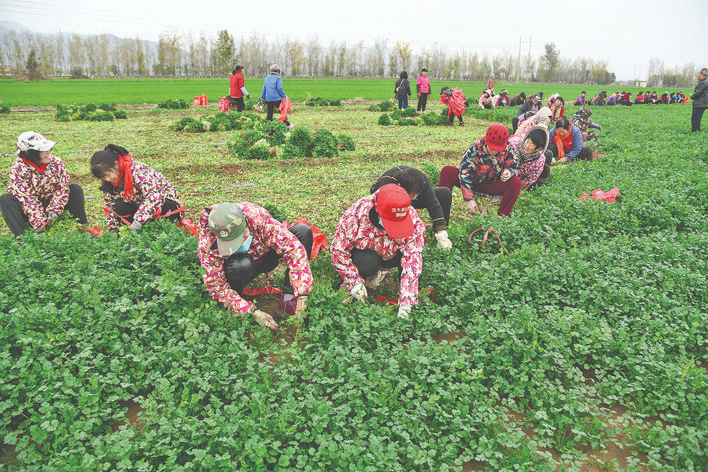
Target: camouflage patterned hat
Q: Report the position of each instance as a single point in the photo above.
(31, 140)
(227, 222)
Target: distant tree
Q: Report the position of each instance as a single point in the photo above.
(550, 61)
(404, 52)
(33, 67)
(224, 52)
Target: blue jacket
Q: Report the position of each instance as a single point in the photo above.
(577, 141)
(273, 88)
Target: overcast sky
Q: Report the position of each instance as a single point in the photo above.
(627, 34)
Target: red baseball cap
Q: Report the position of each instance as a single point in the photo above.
(497, 137)
(393, 206)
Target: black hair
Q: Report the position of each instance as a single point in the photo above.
(107, 159)
(537, 137)
(563, 122)
(559, 98)
(410, 181)
(237, 68)
(424, 70)
(31, 155)
(583, 92)
(404, 75)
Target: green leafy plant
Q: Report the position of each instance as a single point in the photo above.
(174, 103)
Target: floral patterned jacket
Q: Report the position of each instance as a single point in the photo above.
(151, 190)
(267, 234)
(355, 230)
(477, 167)
(39, 193)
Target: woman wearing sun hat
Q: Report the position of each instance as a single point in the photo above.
(487, 167)
(378, 232)
(39, 190)
(239, 241)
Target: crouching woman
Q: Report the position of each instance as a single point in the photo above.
(379, 232)
(238, 242)
(39, 190)
(134, 193)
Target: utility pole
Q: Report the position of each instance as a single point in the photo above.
(518, 62)
(518, 59)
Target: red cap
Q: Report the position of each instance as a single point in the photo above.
(393, 206)
(497, 137)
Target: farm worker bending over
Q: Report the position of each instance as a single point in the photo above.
(133, 192)
(503, 99)
(581, 120)
(273, 93)
(39, 190)
(238, 242)
(237, 88)
(528, 150)
(487, 167)
(567, 142)
(380, 231)
(456, 103)
(436, 200)
(532, 104)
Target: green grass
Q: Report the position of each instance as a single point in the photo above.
(588, 332)
(139, 91)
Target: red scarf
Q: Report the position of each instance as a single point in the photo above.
(561, 142)
(41, 168)
(125, 164)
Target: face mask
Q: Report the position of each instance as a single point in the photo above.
(246, 244)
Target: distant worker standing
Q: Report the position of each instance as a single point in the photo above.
(700, 100)
(422, 85)
(273, 93)
(237, 88)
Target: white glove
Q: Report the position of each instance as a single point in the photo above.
(404, 311)
(53, 216)
(505, 175)
(135, 225)
(443, 239)
(472, 207)
(563, 161)
(359, 292)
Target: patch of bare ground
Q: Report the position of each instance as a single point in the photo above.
(132, 415)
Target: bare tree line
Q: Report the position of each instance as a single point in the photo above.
(73, 55)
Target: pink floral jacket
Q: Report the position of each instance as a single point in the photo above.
(355, 230)
(151, 190)
(267, 234)
(39, 193)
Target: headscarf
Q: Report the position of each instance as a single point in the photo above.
(523, 157)
(544, 113)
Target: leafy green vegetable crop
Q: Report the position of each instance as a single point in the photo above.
(587, 329)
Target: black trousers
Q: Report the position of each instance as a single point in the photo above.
(368, 262)
(238, 101)
(128, 210)
(271, 110)
(584, 155)
(444, 196)
(422, 101)
(240, 268)
(514, 124)
(15, 218)
(696, 118)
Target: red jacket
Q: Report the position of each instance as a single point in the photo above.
(235, 85)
